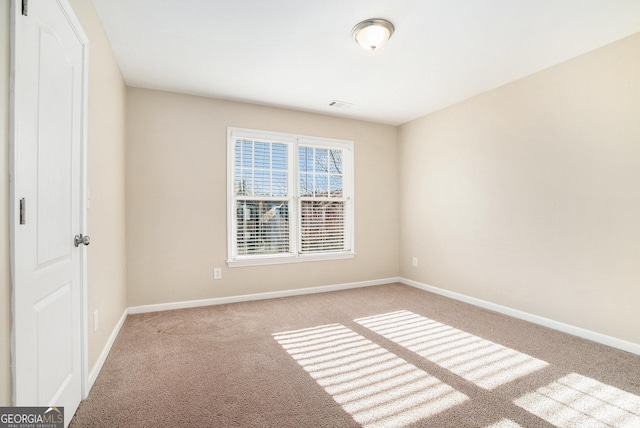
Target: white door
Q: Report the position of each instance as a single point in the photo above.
(49, 99)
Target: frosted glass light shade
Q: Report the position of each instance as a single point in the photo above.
(372, 34)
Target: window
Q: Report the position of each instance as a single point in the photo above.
(290, 198)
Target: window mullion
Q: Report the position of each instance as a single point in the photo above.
(294, 179)
(271, 168)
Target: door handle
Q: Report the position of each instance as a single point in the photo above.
(81, 239)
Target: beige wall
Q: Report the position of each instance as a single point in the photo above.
(176, 199)
(106, 175)
(527, 196)
(5, 269)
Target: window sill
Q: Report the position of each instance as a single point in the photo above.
(276, 260)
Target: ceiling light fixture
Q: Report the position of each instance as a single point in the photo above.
(372, 34)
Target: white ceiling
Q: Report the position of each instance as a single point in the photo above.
(299, 54)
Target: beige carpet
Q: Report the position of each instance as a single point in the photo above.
(385, 356)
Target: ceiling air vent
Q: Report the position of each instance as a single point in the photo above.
(340, 104)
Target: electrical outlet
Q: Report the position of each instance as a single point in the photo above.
(95, 320)
(415, 262)
(217, 273)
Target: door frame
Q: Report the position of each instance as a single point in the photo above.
(15, 185)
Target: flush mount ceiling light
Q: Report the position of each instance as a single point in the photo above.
(372, 34)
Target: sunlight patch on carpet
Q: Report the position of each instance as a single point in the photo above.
(376, 387)
(578, 401)
(504, 423)
(477, 360)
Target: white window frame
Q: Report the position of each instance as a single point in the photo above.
(293, 142)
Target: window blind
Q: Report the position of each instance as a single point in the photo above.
(262, 227)
(322, 226)
(322, 217)
(261, 182)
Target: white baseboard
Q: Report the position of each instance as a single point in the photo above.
(93, 375)
(258, 296)
(546, 322)
(556, 325)
(95, 371)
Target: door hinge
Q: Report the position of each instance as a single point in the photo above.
(25, 7)
(23, 214)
